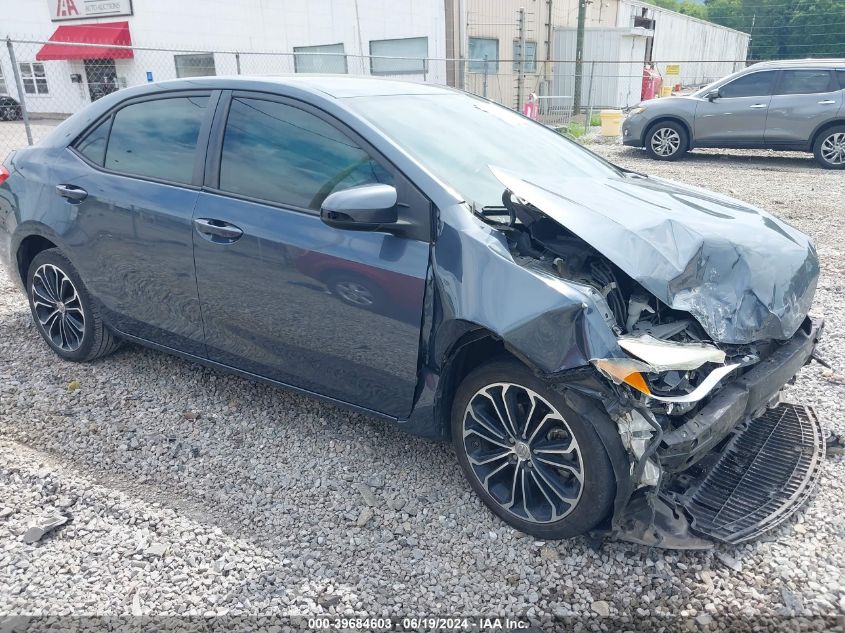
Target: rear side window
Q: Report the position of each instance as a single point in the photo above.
(841, 76)
(757, 84)
(157, 139)
(804, 82)
(93, 145)
(288, 156)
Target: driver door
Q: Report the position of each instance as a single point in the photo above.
(737, 117)
(286, 297)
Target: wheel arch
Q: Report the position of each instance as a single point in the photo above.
(27, 249)
(822, 128)
(669, 118)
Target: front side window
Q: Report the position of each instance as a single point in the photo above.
(284, 155)
(34, 78)
(328, 58)
(399, 57)
(481, 48)
(530, 64)
(757, 84)
(804, 82)
(198, 65)
(157, 139)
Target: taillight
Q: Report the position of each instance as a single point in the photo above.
(4, 174)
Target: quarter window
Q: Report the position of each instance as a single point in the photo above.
(400, 57)
(34, 78)
(757, 84)
(282, 154)
(93, 145)
(797, 82)
(157, 139)
(198, 65)
(328, 58)
(479, 49)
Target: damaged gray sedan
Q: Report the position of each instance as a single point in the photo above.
(605, 350)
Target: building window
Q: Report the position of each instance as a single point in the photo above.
(530, 57)
(198, 65)
(34, 79)
(412, 52)
(481, 48)
(327, 58)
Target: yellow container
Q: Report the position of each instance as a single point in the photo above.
(611, 122)
(666, 91)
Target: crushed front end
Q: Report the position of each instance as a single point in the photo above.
(708, 301)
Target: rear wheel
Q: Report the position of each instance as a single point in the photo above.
(666, 140)
(829, 148)
(535, 462)
(63, 311)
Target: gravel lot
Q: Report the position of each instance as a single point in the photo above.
(194, 492)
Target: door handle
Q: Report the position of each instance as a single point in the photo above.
(218, 228)
(827, 102)
(72, 192)
(758, 105)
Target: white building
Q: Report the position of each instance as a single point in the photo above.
(200, 37)
(411, 39)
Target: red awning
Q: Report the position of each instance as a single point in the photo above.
(108, 35)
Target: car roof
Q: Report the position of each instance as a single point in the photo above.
(800, 63)
(335, 86)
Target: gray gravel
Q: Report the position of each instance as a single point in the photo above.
(192, 491)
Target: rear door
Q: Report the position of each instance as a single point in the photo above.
(738, 116)
(804, 99)
(285, 296)
(130, 185)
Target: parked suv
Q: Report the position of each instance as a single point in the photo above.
(605, 350)
(783, 105)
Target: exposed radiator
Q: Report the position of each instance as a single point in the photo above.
(768, 469)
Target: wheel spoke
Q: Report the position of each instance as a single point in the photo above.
(489, 456)
(57, 308)
(558, 492)
(510, 426)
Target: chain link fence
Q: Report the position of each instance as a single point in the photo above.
(44, 82)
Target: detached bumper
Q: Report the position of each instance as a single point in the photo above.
(738, 401)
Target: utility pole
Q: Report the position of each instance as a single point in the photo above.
(751, 36)
(579, 56)
(520, 78)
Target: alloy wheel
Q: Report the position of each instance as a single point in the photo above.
(665, 141)
(355, 293)
(58, 307)
(523, 452)
(833, 149)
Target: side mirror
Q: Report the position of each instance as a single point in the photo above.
(712, 95)
(364, 208)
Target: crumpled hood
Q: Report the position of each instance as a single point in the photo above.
(740, 272)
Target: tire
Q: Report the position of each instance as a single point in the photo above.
(666, 140)
(64, 314)
(513, 489)
(356, 290)
(829, 148)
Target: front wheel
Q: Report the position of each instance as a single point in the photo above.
(534, 461)
(666, 141)
(829, 148)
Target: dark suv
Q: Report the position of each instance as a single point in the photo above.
(605, 350)
(783, 105)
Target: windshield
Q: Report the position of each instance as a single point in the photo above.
(457, 137)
